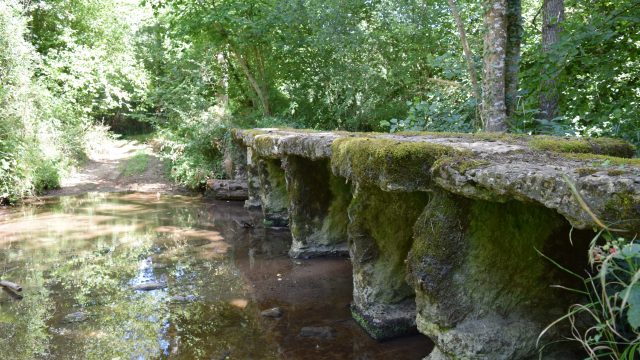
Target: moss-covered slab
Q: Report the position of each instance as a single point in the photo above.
(318, 203)
(380, 236)
(494, 167)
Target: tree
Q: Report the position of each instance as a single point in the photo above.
(468, 55)
(552, 18)
(502, 19)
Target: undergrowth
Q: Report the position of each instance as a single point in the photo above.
(606, 324)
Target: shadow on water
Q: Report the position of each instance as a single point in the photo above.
(140, 276)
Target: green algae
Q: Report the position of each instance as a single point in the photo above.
(584, 171)
(438, 251)
(335, 225)
(605, 160)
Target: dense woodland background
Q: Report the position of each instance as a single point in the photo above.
(190, 70)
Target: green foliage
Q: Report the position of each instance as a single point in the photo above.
(194, 147)
(595, 66)
(66, 66)
(607, 324)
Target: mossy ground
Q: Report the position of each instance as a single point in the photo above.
(136, 165)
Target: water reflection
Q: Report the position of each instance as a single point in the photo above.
(80, 260)
(140, 276)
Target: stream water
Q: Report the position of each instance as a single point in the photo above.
(142, 276)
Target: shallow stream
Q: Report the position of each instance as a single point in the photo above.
(144, 276)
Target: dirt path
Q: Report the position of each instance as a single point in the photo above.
(121, 165)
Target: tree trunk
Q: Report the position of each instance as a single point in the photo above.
(468, 55)
(552, 17)
(493, 83)
(512, 61)
(259, 90)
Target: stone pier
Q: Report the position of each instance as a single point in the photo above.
(445, 231)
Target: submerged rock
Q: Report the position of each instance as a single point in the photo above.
(148, 286)
(317, 332)
(76, 317)
(275, 312)
(183, 299)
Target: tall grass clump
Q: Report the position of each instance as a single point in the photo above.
(606, 323)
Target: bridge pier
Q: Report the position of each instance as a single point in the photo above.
(253, 180)
(272, 191)
(318, 203)
(380, 236)
(481, 287)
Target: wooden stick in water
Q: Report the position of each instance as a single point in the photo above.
(9, 285)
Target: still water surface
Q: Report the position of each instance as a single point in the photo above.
(81, 260)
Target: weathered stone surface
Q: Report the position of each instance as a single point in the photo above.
(444, 229)
(235, 160)
(273, 192)
(317, 208)
(318, 332)
(228, 189)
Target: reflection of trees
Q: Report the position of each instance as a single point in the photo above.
(23, 330)
(89, 263)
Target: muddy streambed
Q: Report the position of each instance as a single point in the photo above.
(143, 276)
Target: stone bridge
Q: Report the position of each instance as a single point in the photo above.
(445, 231)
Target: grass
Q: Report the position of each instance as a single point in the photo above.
(141, 138)
(136, 165)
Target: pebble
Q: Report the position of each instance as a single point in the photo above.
(78, 316)
(275, 312)
(186, 298)
(317, 332)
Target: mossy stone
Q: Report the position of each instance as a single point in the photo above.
(389, 164)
